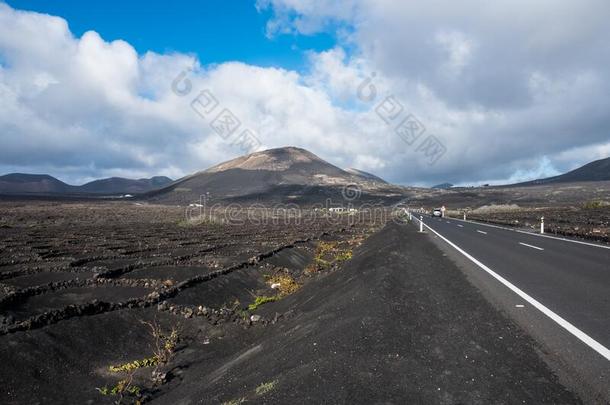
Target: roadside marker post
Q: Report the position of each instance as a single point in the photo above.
(542, 225)
(464, 215)
(410, 216)
(421, 223)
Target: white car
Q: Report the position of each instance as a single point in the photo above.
(437, 212)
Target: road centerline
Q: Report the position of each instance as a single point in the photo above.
(531, 246)
(483, 232)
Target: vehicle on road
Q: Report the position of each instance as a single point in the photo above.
(437, 212)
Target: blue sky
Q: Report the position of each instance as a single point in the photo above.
(215, 30)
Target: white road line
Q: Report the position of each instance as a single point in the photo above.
(535, 234)
(532, 246)
(483, 232)
(448, 222)
(583, 337)
(460, 225)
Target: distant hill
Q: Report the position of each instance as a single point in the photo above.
(20, 183)
(443, 186)
(598, 170)
(16, 183)
(281, 174)
(118, 185)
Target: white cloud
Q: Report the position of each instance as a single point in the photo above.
(501, 85)
(102, 109)
(459, 50)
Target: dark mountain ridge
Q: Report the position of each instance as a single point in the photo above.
(115, 185)
(21, 183)
(598, 170)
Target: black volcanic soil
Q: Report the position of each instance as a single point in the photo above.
(546, 195)
(580, 210)
(398, 323)
(172, 272)
(45, 278)
(220, 292)
(77, 279)
(578, 222)
(395, 325)
(59, 299)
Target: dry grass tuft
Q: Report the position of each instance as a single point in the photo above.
(287, 283)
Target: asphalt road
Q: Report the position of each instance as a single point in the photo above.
(568, 278)
(557, 289)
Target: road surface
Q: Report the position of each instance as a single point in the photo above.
(566, 282)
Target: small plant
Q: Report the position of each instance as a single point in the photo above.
(590, 205)
(122, 389)
(164, 347)
(261, 300)
(164, 344)
(235, 401)
(266, 387)
(344, 256)
(134, 365)
(260, 390)
(287, 284)
(237, 309)
(325, 247)
(319, 260)
(327, 255)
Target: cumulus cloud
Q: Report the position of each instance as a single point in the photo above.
(501, 85)
(83, 107)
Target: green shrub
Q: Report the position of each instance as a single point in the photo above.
(266, 387)
(164, 347)
(593, 204)
(261, 300)
(235, 401)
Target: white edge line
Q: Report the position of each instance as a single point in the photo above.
(483, 232)
(583, 337)
(535, 234)
(531, 246)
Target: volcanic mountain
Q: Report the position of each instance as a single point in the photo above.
(283, 175)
